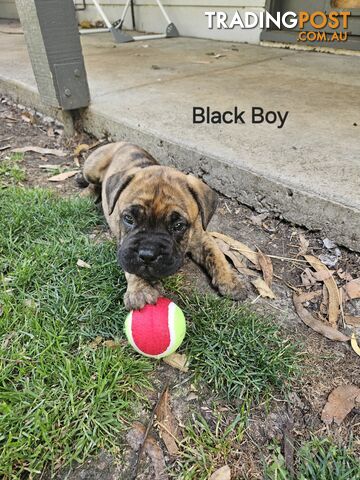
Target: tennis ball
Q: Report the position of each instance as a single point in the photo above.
(156, 330)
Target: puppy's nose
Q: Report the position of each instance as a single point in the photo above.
(147, 255)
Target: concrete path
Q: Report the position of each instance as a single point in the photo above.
(308, 171)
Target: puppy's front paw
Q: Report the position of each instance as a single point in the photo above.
(137, 299)
(233, 288)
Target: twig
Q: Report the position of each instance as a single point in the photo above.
(148, 428)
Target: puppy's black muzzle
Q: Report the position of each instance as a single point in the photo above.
(150, 255)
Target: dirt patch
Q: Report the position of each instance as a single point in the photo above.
(326, 364)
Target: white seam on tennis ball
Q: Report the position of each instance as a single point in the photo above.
(171, 324)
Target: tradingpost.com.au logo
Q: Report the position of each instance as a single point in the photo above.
(313, 26)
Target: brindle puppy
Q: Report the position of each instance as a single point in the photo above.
(157, 215)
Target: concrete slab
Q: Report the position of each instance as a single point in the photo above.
(308, 171)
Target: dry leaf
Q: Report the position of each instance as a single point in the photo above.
(304, 244)
(177, 360)
(83, 147)
(352, 289)
(135, 438)
(235, 257)
(86, 24)
(63, 176)
(340, 402)
(263, 289)
(307, 296)
(307, 278)
(266, 267)
(223, 473)
(334, 295)
(320, 327)
(28, 117)
(42, 151)
(80, 263)
(111, 344)
(96, 342)
(169, 427)
(239, 247)
(4, 147)
(344, 275)
(322, 275)
(355, 345)
(353, 321)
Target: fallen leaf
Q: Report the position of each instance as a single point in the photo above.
(83, 147)
(96, 342)
(318, 326)
(4, 147)
(307, 278)
(353, 321)
(28, 117)
(235, 257)
(80, 263)
(352, 289)
(266, 267)
(177, 360)
(63, 176)
(239, 247)
(86, 24)
(263, 289)
(307, 296)
(304, 244)
(354, 344)
(322, 275)
(42, 151)
(111, 344)
(223, 473)
(192, 396)
(340, 402)
(344, 275)
(169, 427)
(334, 294)
(135, 438)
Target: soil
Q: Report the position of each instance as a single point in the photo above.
(326, 364)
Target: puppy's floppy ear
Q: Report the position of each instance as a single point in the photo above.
(114, 186)
(205, 197)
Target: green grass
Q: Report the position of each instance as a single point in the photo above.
(10, 170)
(239, 354)
(60, 400)
(206, 447)
(318, 459)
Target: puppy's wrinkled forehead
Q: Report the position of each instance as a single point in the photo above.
(158, 193)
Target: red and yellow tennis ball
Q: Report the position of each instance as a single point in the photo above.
(156, 330)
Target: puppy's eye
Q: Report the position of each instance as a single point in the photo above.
(128, 220)
(179, 227)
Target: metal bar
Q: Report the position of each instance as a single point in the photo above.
(124, 13)
(102, 13)
(149, 37)
(87, 31)
(163, 11)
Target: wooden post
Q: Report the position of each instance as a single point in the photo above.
(53, 42)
